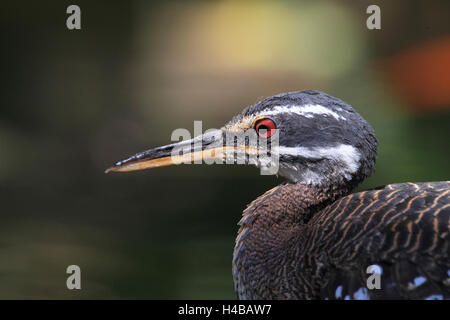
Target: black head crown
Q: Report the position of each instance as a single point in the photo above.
(322, 140)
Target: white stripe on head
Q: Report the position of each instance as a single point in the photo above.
(344, 153)
(307, 110)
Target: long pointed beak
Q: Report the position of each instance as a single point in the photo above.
(209, 146)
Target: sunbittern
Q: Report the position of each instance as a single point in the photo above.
(309, 238)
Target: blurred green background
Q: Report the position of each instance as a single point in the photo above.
(74, 102)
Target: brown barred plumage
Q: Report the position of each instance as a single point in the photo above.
(298, 242)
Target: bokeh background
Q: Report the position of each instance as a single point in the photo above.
(74, 102)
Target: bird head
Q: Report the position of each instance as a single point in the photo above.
(314, 138)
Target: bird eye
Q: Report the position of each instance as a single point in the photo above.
(265, 124)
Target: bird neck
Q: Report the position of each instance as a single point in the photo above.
(272, 229)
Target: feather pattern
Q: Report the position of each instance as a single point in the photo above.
(297, 242)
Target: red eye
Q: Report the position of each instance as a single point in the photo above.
(267, 125)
